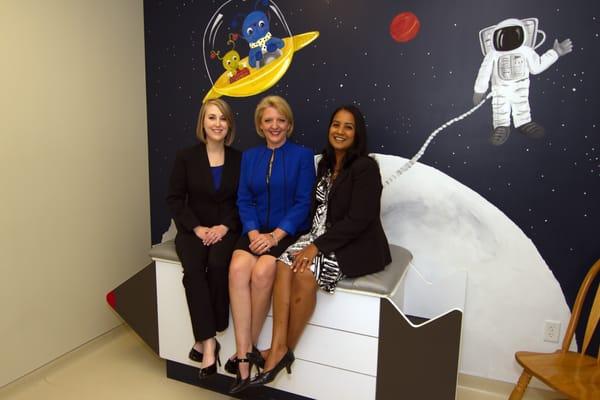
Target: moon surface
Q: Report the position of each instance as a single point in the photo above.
(510, 290)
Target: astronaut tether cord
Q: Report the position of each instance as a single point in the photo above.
(407, 165)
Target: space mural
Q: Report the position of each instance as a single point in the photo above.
(483, 115)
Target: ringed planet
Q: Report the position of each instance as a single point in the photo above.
(404, 27)
(263, 78)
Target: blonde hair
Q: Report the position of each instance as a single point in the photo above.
(227, 113)
(280, 105)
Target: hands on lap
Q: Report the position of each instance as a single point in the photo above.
(304, 258)
(211, 235)
(261, 243)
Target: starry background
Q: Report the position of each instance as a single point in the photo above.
(550, 187)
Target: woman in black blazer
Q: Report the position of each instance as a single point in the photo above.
(202, 198)
(346, 238)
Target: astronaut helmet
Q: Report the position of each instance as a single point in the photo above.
(509, 34)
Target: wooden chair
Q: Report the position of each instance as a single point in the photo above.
(575, 375)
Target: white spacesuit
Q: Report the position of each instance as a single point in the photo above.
(509, 59)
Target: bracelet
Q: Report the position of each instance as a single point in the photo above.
(274, 238)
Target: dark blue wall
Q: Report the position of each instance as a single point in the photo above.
(549, 187)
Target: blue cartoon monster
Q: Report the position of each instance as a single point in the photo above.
(255, 29)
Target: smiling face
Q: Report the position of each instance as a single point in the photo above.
(342, 132)
(231, 60)
(274, 126)
(255, 26)
(215, 124)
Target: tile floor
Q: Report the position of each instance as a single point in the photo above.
(119, 365)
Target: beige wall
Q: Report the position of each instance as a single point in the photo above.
(74, 202)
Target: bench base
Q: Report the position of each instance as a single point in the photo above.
(221, 383)
(359, 344)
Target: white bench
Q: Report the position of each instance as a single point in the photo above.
(358, 344)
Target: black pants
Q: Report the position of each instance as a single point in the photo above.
(205, 279)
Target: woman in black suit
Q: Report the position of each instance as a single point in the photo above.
(202, 198)
(346, 238)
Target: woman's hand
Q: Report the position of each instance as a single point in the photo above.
(215, 234)
(212, 235)
(201, 232)
(304, 258)
(262, 243)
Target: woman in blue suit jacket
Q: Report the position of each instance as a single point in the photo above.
(274, 198)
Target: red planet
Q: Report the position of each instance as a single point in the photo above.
(404, 27)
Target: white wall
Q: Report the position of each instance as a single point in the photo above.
(74, 198)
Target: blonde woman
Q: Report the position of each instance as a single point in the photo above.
(274, 198)
(202, 198)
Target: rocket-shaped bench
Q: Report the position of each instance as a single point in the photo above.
(359, 344)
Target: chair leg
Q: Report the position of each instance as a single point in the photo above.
(520, 387)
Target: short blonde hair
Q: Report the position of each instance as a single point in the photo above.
(227, 113)
(280, 105)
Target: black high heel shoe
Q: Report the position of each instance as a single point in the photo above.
(195, 355)
(231, 365)
(212, 369)
(269, 376)
(256, 358)
(241, 384)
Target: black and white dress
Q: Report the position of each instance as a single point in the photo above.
(324, 267)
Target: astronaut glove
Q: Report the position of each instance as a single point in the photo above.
(477, 97)
(564, 47)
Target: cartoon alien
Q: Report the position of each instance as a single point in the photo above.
(510, 57)
(231, 61)
(255, 29)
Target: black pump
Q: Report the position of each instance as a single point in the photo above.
(212, 369)
(269, 376)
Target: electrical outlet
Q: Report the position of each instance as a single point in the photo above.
(551, 331)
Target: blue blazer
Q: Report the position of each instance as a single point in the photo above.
(285, 202)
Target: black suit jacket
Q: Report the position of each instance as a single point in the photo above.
(192, 197)
(353, 227)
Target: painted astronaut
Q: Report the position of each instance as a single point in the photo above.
(509, 59)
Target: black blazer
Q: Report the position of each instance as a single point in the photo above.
(353, 227)
(192, 197)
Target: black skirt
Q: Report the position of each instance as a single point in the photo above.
(243, 243)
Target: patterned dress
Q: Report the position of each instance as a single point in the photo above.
(324, 267)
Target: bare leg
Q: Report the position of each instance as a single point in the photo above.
(240, 273)
(281, 312)
(263, 276)
(301, 299)
(302, 305)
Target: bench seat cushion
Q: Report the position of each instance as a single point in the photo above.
(381, 283)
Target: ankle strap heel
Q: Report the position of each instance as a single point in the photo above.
(241, 384)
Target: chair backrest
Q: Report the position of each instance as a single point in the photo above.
(594, 316)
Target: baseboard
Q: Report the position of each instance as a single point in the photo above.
(536, 389)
